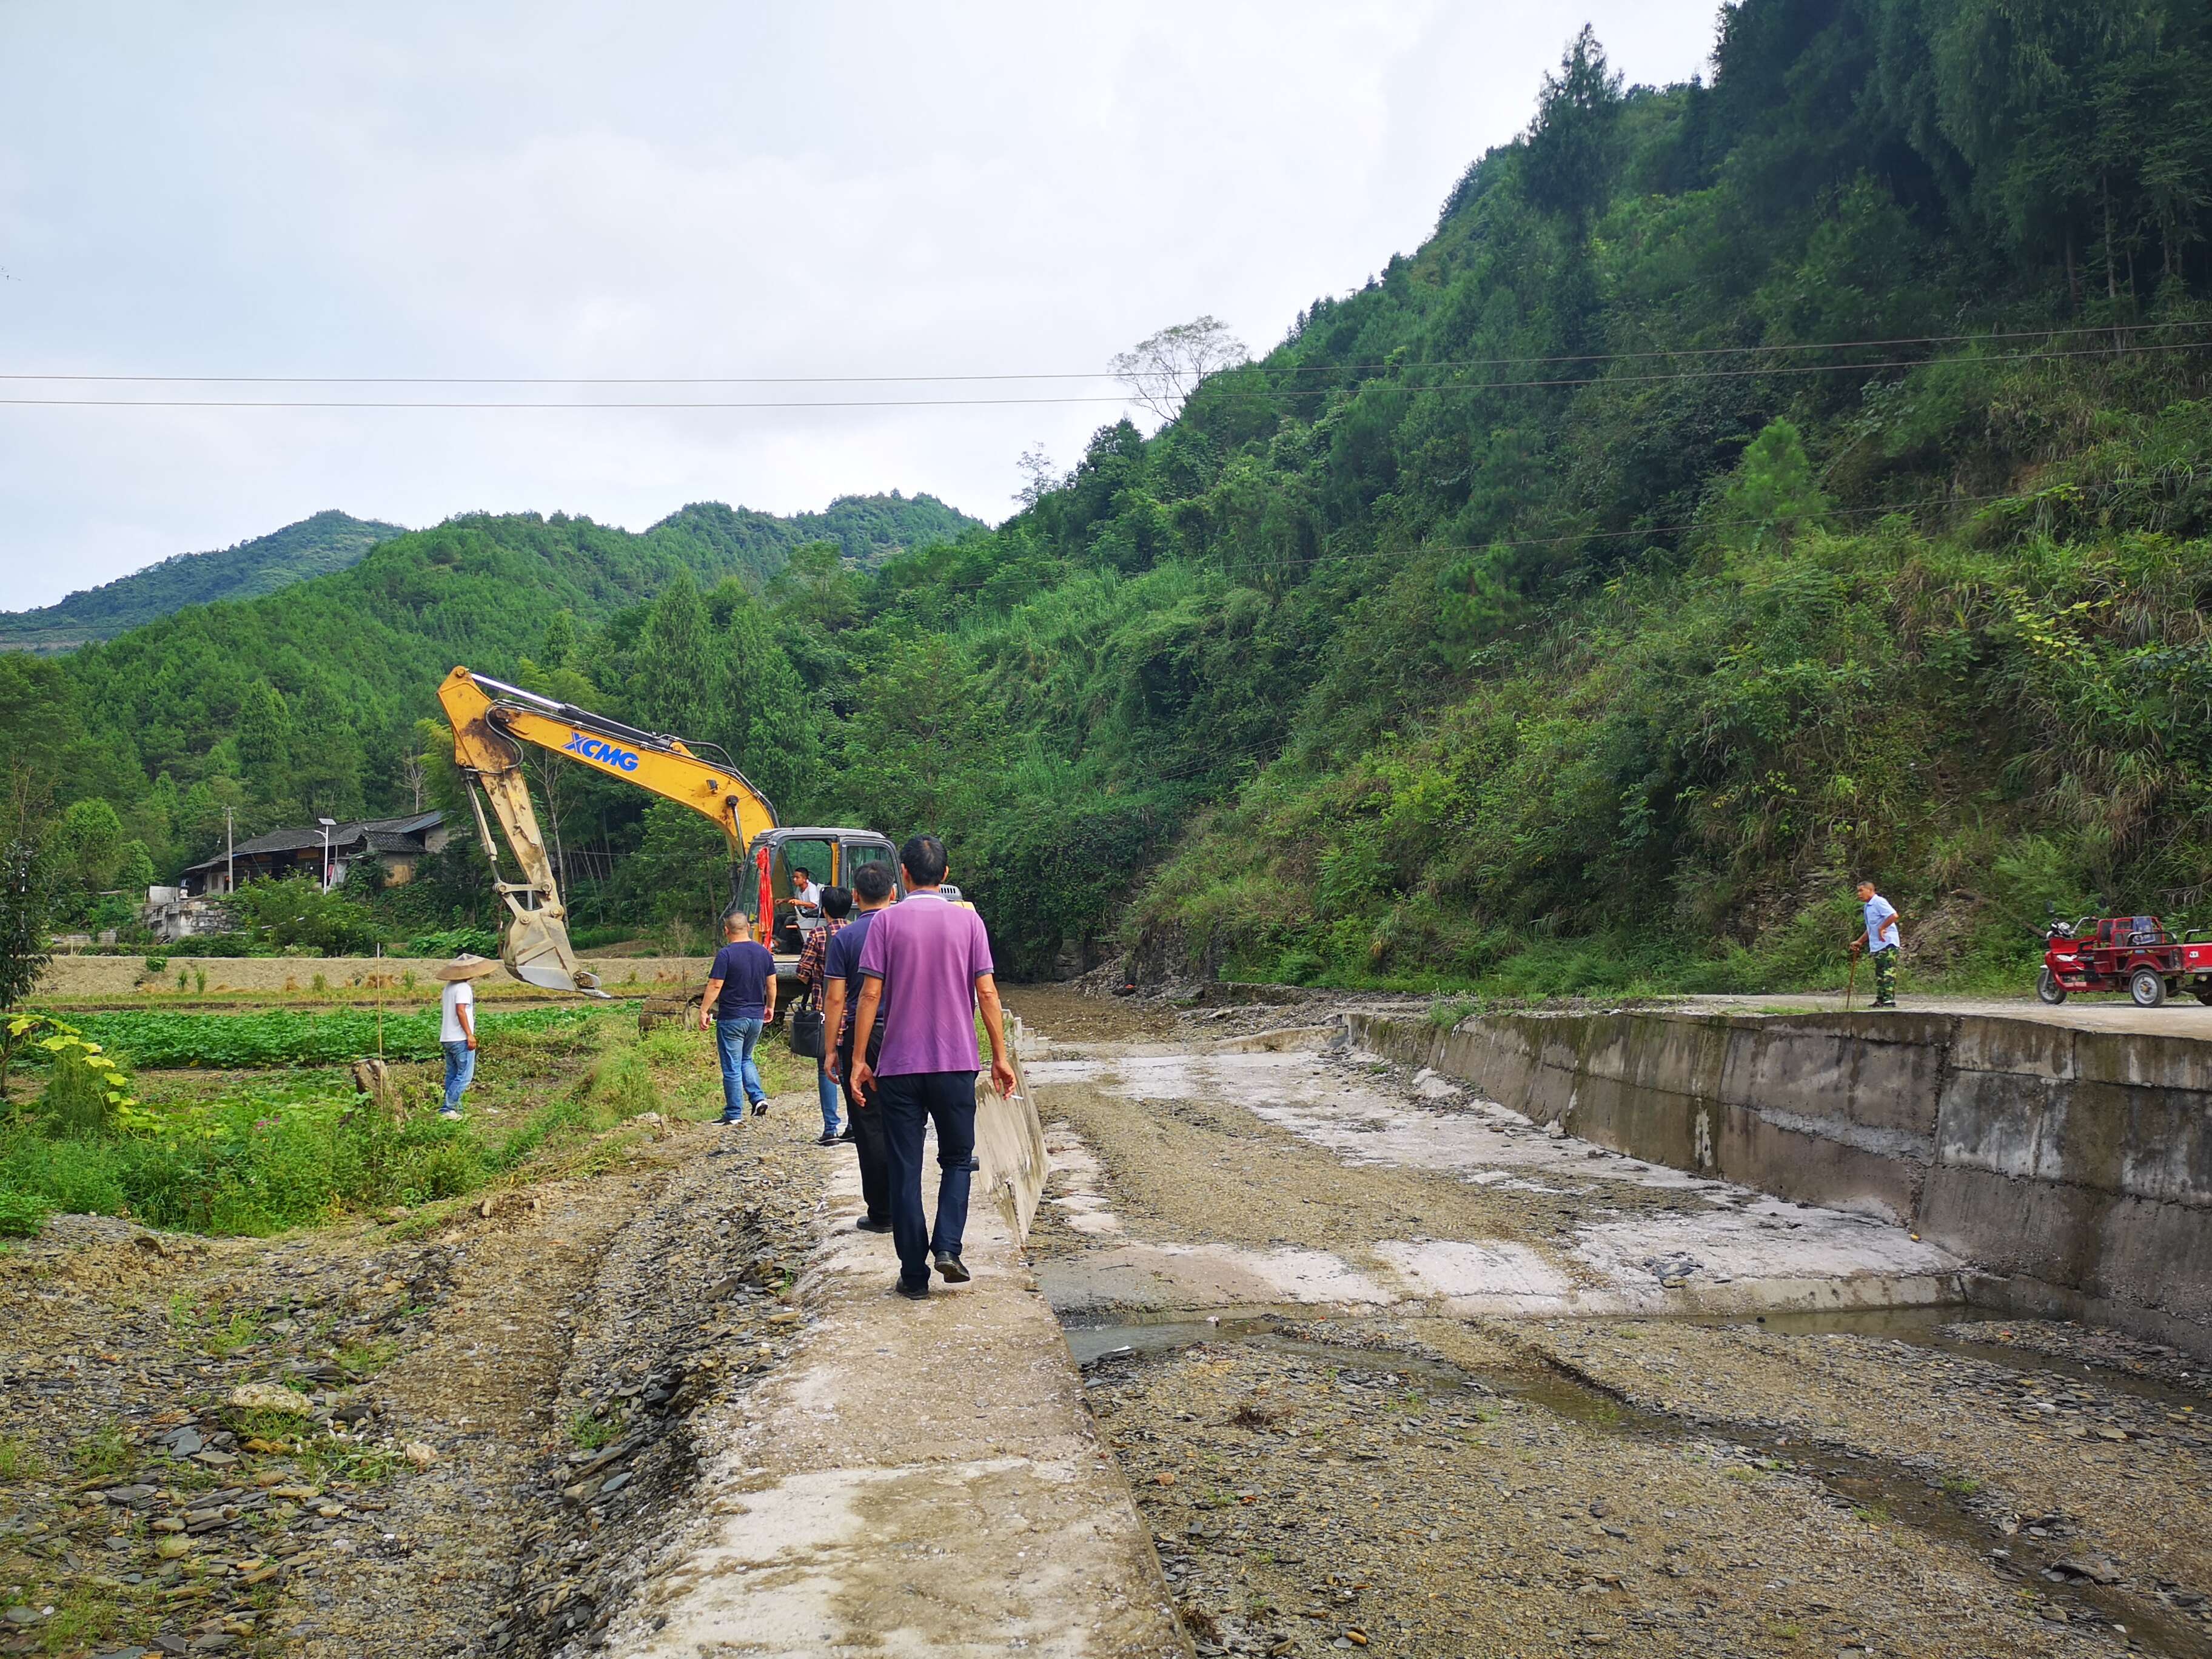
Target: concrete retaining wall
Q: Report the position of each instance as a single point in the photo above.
(2073, 1167)
(116, 976)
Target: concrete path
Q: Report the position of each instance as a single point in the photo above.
(2185, 1017)
(923, 1479)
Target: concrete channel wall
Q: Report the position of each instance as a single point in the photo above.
(2073, 1167)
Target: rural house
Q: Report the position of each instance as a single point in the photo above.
(397, 844)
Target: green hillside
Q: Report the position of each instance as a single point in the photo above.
(1748, 484)
(329, 541)
(306, 700)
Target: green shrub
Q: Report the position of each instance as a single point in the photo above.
(451, 942)
(156, 965)
(22, 1215)
(77, 1098)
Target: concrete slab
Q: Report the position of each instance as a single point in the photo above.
(924, 1479)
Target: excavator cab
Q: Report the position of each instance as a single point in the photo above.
(833, 856)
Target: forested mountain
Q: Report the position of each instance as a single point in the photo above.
(306, 700)
(328, 541)
(1749, 484)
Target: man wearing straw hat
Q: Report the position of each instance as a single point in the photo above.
(457, 1027)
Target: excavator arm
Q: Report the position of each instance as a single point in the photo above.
(491, 721)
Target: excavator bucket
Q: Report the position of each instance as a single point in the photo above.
(537, 953)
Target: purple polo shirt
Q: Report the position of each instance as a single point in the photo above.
(929, 952)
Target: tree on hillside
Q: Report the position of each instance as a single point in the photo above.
(1572, 143)
(1040, 476)
(265, 746)
(1166, 368)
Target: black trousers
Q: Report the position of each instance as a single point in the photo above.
(867, 1121)
(910, 1103)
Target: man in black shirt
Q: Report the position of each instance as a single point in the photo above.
(741, 1000)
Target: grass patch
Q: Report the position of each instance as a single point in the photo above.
(1962, 1485)
(587, 1432)
(106, 1451)
(361, 1360)
(17, 1461)
(242, 1332)
(327, 1460)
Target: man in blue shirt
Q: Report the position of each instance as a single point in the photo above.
(1880, 941)
(741, 1000)
(871, 893)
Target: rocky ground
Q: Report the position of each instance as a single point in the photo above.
(427, 1438)
(1344, 1478)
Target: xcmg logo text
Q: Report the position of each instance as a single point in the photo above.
(606, 753)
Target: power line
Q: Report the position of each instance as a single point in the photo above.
(1557, 383)
(1371, 366)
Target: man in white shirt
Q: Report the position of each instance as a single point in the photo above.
(805, 889)
(1880, 940)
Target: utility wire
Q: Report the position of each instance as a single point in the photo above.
(1086, 374)
(1564, 382)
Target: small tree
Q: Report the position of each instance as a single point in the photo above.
(1039, 477)
(1166, 368)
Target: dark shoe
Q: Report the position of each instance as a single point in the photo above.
(868, 1224)
(954, 1269)
(760, 1108)
(826, 1141)
(912, 1293)
(847, 1133)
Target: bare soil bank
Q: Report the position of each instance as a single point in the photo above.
(495, 1408)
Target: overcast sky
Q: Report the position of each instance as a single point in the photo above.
(680, 190)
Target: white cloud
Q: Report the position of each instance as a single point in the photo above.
(682, 189)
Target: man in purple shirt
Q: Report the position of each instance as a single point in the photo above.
(926, 966)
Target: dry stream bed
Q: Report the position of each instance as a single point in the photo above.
(1390, 1370)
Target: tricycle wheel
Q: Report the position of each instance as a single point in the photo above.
(2048, 989)
(2147, 986)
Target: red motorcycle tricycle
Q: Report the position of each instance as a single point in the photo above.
(2135, 954)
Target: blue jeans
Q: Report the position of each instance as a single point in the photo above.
(908, 1104)
(734, 1041)
(460, 1070)
(826, 1086)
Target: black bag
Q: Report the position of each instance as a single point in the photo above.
(809, 1040)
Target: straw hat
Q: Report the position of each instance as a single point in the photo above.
(467, 965)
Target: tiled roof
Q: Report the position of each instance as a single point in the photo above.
(376, 835)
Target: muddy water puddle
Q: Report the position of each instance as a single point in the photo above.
(1877, 1492)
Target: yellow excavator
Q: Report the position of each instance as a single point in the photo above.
(491, 721)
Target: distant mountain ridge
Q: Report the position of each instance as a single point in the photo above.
(315, 546)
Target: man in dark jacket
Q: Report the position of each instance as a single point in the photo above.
(872, 892)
